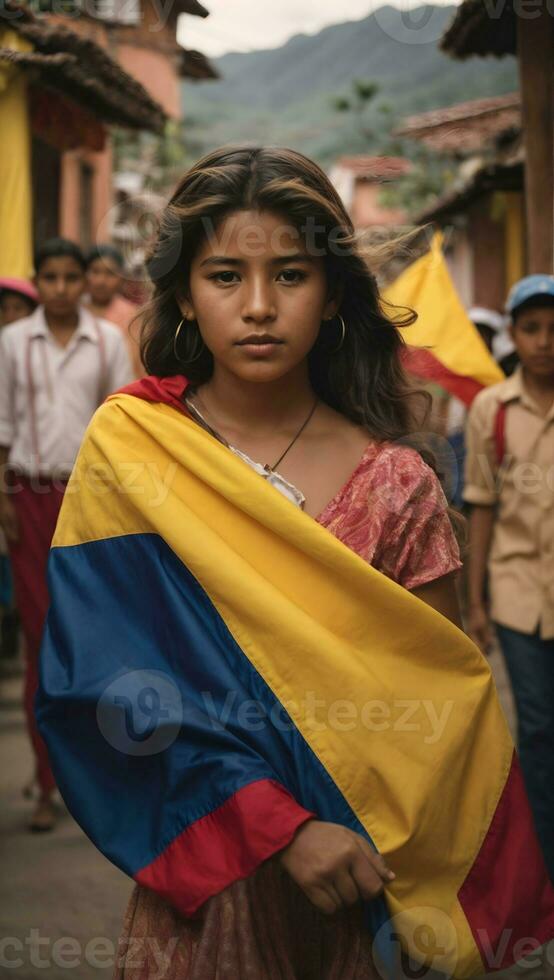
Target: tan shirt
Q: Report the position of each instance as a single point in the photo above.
(49, 393)
(521, 560)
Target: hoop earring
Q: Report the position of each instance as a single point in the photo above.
(343, 334)
(189, 360)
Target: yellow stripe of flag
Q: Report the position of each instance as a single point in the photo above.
(443, 325)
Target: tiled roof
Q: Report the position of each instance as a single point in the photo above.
(81, 70)
(196, 66)
(465, 127)
(492, 177)
(192, 7)
(481, 28)
(375, 168)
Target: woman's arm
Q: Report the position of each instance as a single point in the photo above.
(481, 525)
(442, 595)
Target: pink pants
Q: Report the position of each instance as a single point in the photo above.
(37, 505)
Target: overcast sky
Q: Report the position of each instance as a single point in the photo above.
(248, 25)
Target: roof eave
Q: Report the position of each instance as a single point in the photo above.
(82, 71)
(473, 31)
(197, 67)
(192, 7)
(489, 178)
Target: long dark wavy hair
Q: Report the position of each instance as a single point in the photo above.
(363, 380)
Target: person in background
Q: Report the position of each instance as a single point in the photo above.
(488, 323)
(105, 267)
(18, 299)
(56, 367)
(450, 412)
(509, 485)
(495, 330)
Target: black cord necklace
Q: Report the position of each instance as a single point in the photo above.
(267, 467)
(299, 433)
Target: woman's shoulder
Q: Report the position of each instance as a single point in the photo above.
(394, 462)
(112, 422)
(399, 466)
(396, 486)
(394, 514)
(392, 474)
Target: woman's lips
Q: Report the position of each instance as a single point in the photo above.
(261, 350)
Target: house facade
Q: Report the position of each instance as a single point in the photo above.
(478, 29)
(482, 214)
(85, 68)
(360, 181)
(59, 94)
(141, 36)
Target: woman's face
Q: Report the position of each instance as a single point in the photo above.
(254, 278)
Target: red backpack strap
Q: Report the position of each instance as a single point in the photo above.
(500, 433)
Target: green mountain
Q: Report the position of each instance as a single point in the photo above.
(286, 95)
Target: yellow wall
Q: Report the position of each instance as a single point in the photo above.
(16, 233)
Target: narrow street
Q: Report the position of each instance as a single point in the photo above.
(56, 886)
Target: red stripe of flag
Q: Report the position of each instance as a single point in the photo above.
(507, 897)
(225, 845)
(425, 365)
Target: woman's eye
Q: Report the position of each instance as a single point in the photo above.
(293, 276)
(296, 273)
(218, 276)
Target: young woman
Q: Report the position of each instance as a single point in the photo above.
(293, 361)
(271, 359)
(255, 261)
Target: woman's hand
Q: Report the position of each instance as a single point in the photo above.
(334, 866)
(479, 627)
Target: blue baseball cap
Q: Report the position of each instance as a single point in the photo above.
(530, 287)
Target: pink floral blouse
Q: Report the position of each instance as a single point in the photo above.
(394, 514)
(391, 511)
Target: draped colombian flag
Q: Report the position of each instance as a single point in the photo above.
(217, 667)
(443, 345)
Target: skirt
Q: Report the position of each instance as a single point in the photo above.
(260, 928)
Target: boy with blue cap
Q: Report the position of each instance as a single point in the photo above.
(509, 483)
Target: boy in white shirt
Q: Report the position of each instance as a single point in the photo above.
(56, 367)
(18, 299)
